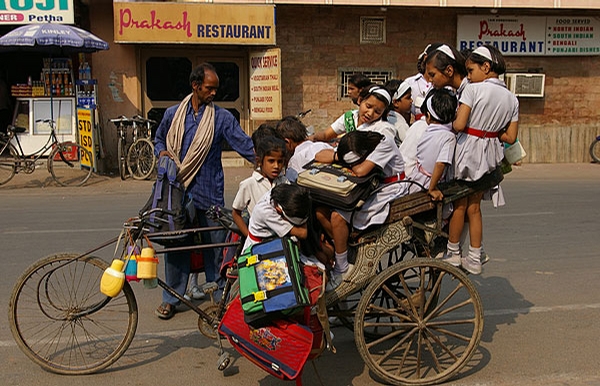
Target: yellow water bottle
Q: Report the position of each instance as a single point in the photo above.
(113, 279)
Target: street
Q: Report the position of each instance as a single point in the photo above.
(540, 291)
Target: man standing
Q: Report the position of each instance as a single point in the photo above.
(191, 133)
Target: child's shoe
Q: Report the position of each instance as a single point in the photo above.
(472, 263)
(452, 255)
(338, 278)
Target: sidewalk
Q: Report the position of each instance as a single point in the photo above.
(41, 182)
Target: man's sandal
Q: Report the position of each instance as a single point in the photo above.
(165, 311)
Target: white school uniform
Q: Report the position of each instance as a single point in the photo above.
(265, 222)
(376, 208)
(400, 124)
(408, 148)
(252, 189)
(382, 127)
(303, 154)
(436, 145)
(493, 108)
(418, 89)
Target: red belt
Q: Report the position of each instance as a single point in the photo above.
(397, 177)
(418, 117)
(254, 238)
(481, 133)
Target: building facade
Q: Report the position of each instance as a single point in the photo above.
(320, 42)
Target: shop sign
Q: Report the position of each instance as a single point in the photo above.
(265, 84)
(152, 22)
(36, 11)
(86, 137)
(530, 36)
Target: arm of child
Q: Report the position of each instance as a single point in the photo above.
(239, 221)
(326, 156)
(323, 136)
(462, 117)
(363, 168)
(301, 232)
(438, 172)
(509, 135)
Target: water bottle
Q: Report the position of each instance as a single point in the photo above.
(113, 279)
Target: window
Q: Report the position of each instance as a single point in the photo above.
(168, 78)
(376, 76)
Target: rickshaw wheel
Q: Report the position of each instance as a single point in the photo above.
(427, 319)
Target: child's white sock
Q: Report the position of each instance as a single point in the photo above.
(453, 248)
(341, 262)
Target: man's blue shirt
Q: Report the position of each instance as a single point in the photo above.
(208, 187)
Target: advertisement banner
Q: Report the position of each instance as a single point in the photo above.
(530, 35)
(193, 23)
(86, 138)
(265, 84)
(36, 12)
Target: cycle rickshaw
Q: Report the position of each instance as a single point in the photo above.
(417, 320)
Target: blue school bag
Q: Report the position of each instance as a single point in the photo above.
(175, 207)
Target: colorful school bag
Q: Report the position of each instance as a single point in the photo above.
(281, 347)
(271, 281)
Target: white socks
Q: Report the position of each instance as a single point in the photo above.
(453, 248)
(341, 262)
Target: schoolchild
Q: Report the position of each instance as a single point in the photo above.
(419, 85)
(374, 104)
(435, 151)
(270, 164)
(300, 150)
(399, 114)
(356, 83)
(488, 114)
(445, 67)
(264, 130)
(285, 210)
(408, 147)
(364, 152)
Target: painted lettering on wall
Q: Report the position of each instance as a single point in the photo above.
(234, 31)
(126, 20)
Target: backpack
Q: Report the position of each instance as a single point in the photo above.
(176, 207)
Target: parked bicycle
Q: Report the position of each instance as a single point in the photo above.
(595, 149)
(69, 163)
(137, 159)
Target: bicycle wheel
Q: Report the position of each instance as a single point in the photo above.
(61, 320)
(121, 154)
(8, 167)
(427, 317)
(67, 163)
(595, 150)
(140, 159)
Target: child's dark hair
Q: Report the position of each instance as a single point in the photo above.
(441, 60)
(441, 105)
(359, 80)
(264, 130)
(291, 128)
(423, 56)
(296, 202)
(380, 93)
(268, 145)
(497, 63)
(361, 143)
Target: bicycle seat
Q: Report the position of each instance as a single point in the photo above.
(17, 129)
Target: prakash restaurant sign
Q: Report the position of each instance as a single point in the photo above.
(150, 22)
(531, 36)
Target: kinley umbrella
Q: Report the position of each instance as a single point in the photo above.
(53, 39)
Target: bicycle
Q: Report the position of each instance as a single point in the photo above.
(69, 163)
(137, 159)
(595, 149)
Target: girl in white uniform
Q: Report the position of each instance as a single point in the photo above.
(399, 114)
(364, 153)
(488, 113)
(435, 151)
(445, 67)
(374, 103)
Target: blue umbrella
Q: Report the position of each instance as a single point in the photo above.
(59, 39)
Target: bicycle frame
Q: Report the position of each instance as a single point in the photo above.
(52, 140)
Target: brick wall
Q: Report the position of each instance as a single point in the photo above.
(317, 41)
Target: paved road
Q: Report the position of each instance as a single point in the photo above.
(541, 292)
